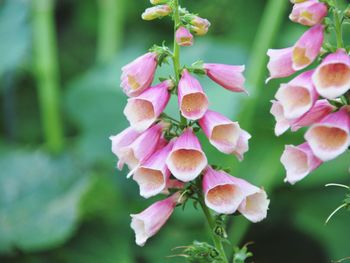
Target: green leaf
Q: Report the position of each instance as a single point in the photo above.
(39, 200)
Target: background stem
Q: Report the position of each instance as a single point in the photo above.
(268, 30)
(47, 73)
(110, 28)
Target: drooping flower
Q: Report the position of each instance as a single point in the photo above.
(138, 75)
(143, 110)
(186, 160)
(285, 62)
(153, 175)
(330, 138)
(141, 148)
(121, 141)
(280, 64)
(309, 13)
(221, 191)
(298, 96)
(308, 47)
(221, 132)
(228, 76)
(147, 223)
(193, 102)
(255, 204)
(299, 161)
(156, 12)
(183, 37)
(332, 77)
(224, 134)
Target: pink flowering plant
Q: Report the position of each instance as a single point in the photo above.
(164, 154)
(318, 98)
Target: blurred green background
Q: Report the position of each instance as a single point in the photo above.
(61, 198)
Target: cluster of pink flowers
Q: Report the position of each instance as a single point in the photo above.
(164, 160)
(317, 98)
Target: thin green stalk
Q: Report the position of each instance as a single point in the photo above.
(110, 28)
(338, 27)
(47, 73)
(268, 30)
(211, 223)
(176, 53)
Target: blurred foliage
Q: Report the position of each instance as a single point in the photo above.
(74, 207)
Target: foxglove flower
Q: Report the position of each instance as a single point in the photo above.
(227, 76)
(309, 13)
(308, 47)
(330, 138)
(280, 64)
(199, 26)
(192, 100)
(332, 77)
(298, 96)
(143, 110)
(222, 192)
(183, 37)
(138, 75)
(284, 62)
(186, 160)
(141, 148)
(225, 135)
(282, 123)
(156, 12)
(153, 175)
(121, 141)
(299, 161)
(147, 223)
(255, 204)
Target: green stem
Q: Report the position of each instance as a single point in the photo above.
(268, 29)
(176, 53)
(338, 28)
(110, 28)
(211, 223)
(47, 72)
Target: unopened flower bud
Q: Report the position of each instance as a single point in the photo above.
(199, 26)
(184, 37)
(156, 12)
(347, 12)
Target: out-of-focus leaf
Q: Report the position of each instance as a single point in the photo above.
(14, 33)
(39, 200)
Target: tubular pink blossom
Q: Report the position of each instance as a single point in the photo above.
(142, 111)
(319, 111)
(255, 204)
(121, 141)
(309, 13)
(142, 147)
(228, 76)
(221, 191)
(138, 75)
(282, 124)
(298, 96)
(192, 100)
(280, 64)
(308, 47)
(186, 160)
(153, 175)
(147, 223)
(332, 77)
(299, 161)
(183, 37)
(221, 132)
(330, 138)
